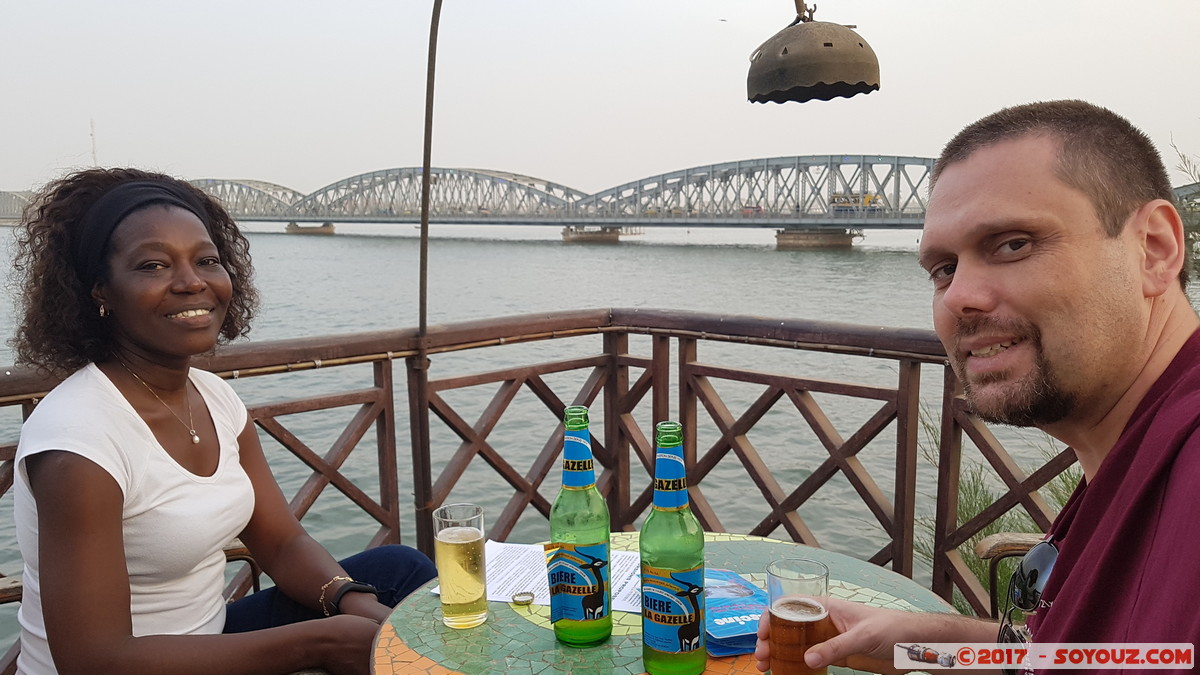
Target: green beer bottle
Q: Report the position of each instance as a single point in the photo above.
(580, 593)
(672, 548)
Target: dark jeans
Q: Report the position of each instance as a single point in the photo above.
(395, 570)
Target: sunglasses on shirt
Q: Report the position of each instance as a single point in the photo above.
(1025, 592)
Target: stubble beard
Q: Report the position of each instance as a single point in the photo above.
(1035, 400)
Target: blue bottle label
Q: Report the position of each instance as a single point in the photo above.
(577, 459)
(578, 581)
(673, 609)
(670, 479)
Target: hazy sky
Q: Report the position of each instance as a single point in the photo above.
(588, 94)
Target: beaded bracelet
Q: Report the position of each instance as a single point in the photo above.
(321, 600)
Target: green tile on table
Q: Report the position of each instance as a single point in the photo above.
(518, 639)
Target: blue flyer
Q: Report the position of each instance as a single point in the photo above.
(734, 605)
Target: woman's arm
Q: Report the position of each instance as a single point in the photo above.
(295, 561)
(84, 586)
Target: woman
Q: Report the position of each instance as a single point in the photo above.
(136, 471)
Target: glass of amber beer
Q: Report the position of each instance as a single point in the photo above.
(796, 588)
(458, 552)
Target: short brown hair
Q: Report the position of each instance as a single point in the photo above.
(1100, 154)
(60, 330)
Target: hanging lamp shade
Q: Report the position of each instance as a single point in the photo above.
(812, 60)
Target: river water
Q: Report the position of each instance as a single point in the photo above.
(366, 278)
(328, 285)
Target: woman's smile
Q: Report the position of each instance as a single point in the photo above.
(166, 287)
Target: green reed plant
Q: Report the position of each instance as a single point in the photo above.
(1189, 209)
(975, 493)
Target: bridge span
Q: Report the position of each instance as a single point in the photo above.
(835, 192)
(809, 199)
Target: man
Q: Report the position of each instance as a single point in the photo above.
(1058, 265)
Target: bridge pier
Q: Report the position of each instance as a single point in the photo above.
(797, 239)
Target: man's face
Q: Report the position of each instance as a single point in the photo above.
(1041, 312)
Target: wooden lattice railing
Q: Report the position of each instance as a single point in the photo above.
(628, 388)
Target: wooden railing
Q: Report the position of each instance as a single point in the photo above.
(628, 388)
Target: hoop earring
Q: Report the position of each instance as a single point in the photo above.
(103, 311)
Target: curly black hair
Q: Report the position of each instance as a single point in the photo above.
(60, 329)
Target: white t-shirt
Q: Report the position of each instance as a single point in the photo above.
(175, 523)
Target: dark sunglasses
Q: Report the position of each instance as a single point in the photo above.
(1025, 588)
(1027, 582)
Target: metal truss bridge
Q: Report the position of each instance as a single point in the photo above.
(851, 191)
(811, 192)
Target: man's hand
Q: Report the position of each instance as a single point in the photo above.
(867, 635)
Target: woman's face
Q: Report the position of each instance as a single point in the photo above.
(167, 292)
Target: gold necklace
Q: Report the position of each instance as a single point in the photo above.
(191, 428)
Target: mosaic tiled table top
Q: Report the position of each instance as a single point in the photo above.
(519, 639)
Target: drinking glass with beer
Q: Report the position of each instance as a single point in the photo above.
(796, 588)
(458, 552)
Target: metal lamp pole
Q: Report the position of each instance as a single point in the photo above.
(418, 364)
(782, 69)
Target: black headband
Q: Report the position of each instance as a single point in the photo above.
(113, 207)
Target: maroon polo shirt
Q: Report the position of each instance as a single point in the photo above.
(1128, 568)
